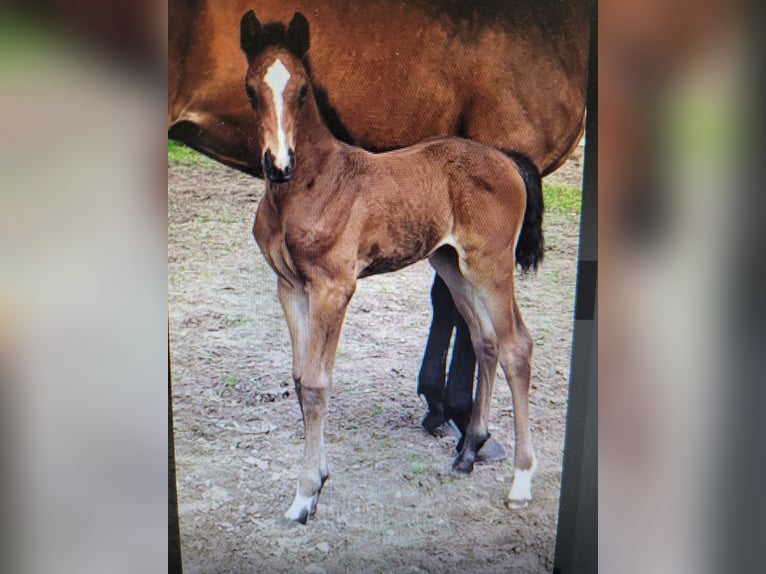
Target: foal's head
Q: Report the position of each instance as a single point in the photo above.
(277, 86)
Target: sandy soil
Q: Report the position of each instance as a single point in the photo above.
(391, 504)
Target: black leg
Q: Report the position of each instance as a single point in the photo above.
(459, 394)
(432, 371)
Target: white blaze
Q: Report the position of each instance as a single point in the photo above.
(276, 79)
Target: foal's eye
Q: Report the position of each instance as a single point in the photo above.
(302, 94)
(251, 95)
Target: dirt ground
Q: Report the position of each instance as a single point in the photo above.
(391, 504)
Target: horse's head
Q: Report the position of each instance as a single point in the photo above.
(277, 85)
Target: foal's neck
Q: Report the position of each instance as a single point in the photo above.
(315, 146)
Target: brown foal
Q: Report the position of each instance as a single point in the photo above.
(333, 213)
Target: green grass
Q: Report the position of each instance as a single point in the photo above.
(230, 382)
(562, 199)
(418, 468)
(25, 44)
(182, 155)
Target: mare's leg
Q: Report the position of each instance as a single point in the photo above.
(327, 304)
(459, 393)
(432, 370)
(515, 354)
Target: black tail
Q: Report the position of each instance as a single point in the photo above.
(530, 247)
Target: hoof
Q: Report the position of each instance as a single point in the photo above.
(462, 465)
(491, 451)
(433, 420)
(516, 504)
(301, 508)
(289, 522)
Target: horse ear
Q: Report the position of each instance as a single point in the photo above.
(297, 37)
(250, 35)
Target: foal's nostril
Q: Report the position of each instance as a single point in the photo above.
(268, 160)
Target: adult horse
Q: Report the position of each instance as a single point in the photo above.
(510, 74)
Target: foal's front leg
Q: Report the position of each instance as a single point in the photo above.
(327, 304)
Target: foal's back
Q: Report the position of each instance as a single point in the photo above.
(443, 191)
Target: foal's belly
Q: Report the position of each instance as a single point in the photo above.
(395, 246)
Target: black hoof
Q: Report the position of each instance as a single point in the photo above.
(463, 465)
(433, 420)
(491, 451)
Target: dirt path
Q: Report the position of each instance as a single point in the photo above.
(391, 504)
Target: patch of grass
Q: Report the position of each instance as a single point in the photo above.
(230, 382)
(562, 199)
(387, 443)
(418, 468)
(242, 321)
(25, 45)
(180, 154)
(377, 410)
(228, 217)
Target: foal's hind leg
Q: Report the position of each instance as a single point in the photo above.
(515, 347)
(485, 346)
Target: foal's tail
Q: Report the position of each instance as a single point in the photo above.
(529, 249)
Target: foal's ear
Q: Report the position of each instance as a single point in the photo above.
(297, 37)
(250, 35)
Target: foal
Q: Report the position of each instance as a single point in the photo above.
(333, 213)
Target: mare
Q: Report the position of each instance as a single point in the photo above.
(333, 213)
(509, 74)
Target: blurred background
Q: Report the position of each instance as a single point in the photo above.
(83, 308)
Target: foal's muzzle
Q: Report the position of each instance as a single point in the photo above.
(275, 174)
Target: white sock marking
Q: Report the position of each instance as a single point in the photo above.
(300, 504)
(521, 489)
(276, 79)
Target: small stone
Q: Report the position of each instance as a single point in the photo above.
(390, 532)
(315, 569)
(276, 476)
(323, 547)
(398, 494)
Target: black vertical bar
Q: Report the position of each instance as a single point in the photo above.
(174, 534)
(577, 535)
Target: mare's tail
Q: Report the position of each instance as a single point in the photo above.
(529, 249)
